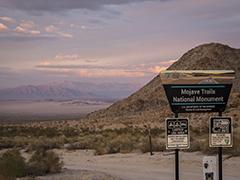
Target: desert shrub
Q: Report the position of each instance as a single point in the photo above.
(6, 142)
(90, 141)
(112, 142)
(70, 132)
(112, 148)
(157, 144)
(8, 131)
(126, 143)
(32, 143)
(122, 130)
(12, 164)
(12, 131)
(6, 178)
(50, 132)
(44, 143)
(115, 143)
(99, 144)
(22, 142)
(119, 144)
(43, 162)
(77, 145)
(100, 149)
(38, 131)
(143, 145)
(108, 142)
(157, 131)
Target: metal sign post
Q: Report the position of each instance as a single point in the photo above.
(220, 132)
(150, 141)
(220, 174)
(220, 158)
(177, 136)
(176, 159)
(177, 164)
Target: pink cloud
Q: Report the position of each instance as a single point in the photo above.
(34, 32)
(75, 65)
(7, 19)
(66, 35)
(156, 69)
(3, 27)
(69, 57)
(51, 29)
(55, 30)
(26, 24)
(109, 73)
(27, 27)
(167, 62)
(20, 29)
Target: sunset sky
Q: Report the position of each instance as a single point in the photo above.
(45, 41)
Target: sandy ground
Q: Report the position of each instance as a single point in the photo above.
(78, 175)
(137, 166)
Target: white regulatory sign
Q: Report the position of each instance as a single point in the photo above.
(177, 133)
(220, 132)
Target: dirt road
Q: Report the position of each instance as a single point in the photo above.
(137, 166)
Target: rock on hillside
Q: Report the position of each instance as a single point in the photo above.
(149, 104)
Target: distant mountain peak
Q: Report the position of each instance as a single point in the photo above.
(209, 57)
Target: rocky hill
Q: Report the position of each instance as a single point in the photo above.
(149, 104)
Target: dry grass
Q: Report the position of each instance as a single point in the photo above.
(106, 141)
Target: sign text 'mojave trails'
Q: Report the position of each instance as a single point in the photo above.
(197, 97)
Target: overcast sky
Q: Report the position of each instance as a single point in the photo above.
(44, 41)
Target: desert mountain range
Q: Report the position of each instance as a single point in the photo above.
(69, 90)
(149, 104)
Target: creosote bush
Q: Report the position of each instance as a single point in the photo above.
(43, 162)
(12, 164)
